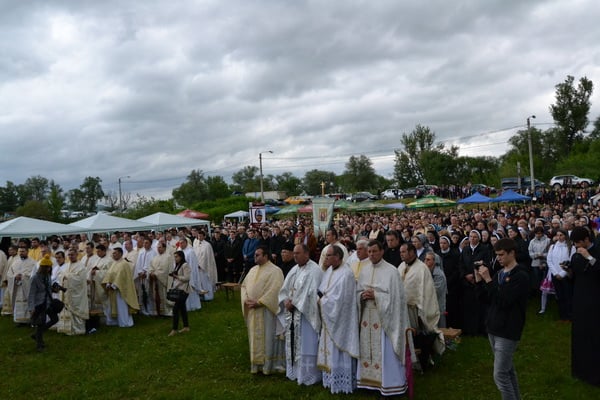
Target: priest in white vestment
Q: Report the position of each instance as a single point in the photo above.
(259, 296)
(207, 264)
(338, 342)
(193, 301)
(141, 278)
(18, 279)
(120, 289)
(159, 279)
(383, 323)
(300, 316)
(73, 277)
(5, 303)
(422, 303)
(331, 237)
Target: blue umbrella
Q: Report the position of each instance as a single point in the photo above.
(511, 195)
(271, 209)
(475, 198)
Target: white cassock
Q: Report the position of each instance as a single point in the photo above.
(142, 285)
(303, 324)
(338, 342)
(193, 301)
(383, 324)
(208, 267)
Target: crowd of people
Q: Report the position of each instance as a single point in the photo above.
(332, 308)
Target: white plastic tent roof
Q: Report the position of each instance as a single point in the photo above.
(106, 223)
(238, 214)
(27, 227)
(162, 220)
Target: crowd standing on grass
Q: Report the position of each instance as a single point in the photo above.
(417, 270)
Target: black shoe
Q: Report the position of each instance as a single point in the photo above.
(33, 336)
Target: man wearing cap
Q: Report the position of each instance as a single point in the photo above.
(39, 300)
(392, 252)
(287, 258)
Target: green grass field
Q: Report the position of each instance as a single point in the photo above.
(212, 362)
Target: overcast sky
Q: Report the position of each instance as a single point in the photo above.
(154, 89)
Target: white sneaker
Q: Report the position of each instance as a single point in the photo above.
(541, 311)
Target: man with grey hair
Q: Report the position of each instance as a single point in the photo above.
(362, 255)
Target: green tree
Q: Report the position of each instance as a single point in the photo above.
(143, 206)
(75, 197)
(35, 188)
(313, 179)
(359, 175)
(545, 154)
(55, 201)
(418, 148)
(9, 197)
(91, 192)
(571, 109)
(247, 179)
(289, 183)
(34, 209)
(192, 190)
(217, 188)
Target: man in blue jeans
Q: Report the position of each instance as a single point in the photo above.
(506, 292)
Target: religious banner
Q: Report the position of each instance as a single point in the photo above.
(257, 213)
(322, 214)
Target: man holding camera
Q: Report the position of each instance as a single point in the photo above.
(507, 293)
(585, 341)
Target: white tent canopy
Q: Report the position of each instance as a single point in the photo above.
(107, 223)
(238, 214)
(162, 220)
(28, 227)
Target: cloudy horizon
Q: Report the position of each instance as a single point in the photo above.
(152, 90)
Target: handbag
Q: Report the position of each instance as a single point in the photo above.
(56, 306)
(175, 294)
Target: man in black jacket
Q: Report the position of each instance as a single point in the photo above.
(585, 341)
(506, 293)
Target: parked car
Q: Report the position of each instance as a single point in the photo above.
(428, 189)
(410, 192)
(297, 200)
(481, 188)
(569, 180)
(392, 194)
(361, 196)
(513, 183)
